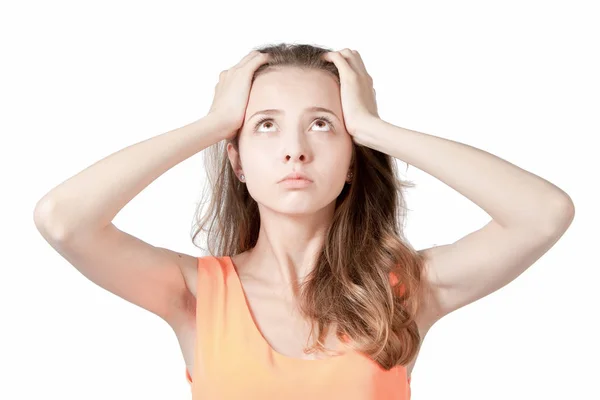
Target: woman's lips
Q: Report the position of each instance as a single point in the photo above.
(296, 183)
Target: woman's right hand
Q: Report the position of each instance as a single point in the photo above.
(233, 90)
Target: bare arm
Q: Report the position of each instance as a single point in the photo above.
(89, 201)
(529, 215)
(75, 219)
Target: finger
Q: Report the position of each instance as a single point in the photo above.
(254, 62)
(250, 56)
(360, 62)
(352, 60)
(340, 62)
(355, 61)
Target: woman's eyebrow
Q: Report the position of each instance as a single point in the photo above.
(272, 111)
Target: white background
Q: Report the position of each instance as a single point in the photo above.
(81, 80)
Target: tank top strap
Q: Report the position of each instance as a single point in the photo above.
(394, 281)
(211, 303)
(221, 329)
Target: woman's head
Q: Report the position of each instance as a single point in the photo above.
(364, 245)
(301, 137)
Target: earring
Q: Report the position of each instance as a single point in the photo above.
(350, 174)
(242, 177)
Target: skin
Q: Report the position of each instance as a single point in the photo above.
(293, 221)
(529, 214)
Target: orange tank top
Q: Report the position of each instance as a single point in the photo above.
(232, 360)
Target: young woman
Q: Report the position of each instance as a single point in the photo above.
(312, 291)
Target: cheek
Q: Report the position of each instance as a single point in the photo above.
(262, 170)
(261, 178)
(337, 166)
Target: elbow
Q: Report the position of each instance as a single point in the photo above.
(44, 218)
(561, 217)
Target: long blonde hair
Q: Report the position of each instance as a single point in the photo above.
(364, 246)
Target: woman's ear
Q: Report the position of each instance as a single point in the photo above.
(234, 159)
(350, 172)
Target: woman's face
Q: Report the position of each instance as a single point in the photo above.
(294, 139)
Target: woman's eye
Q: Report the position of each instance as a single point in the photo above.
(266, 123)
(320, 123)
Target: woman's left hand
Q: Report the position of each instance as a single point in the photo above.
(356, 89)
